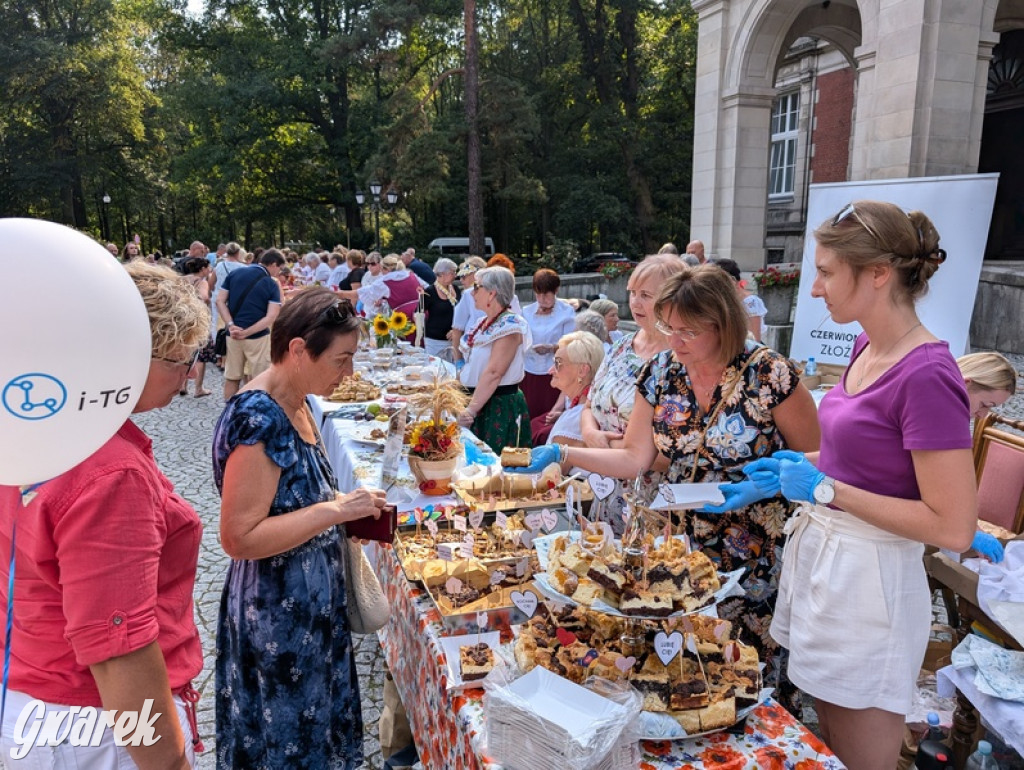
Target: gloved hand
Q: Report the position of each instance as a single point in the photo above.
(765, 473)
(540, 458)
(475, 457)
(988, 547)
(738, 495)
(797, 475)
(459, 364)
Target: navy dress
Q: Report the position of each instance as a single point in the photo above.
(287, 690)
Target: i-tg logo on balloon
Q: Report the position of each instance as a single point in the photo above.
(34, 396)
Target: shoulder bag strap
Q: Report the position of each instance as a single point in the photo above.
(245, 294)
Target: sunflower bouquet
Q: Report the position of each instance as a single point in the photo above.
(388, 330)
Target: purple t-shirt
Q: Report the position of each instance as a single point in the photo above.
(920, 403)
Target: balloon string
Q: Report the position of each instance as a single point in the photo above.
(28, 492)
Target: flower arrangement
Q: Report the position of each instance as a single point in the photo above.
(615, 269)
(434, 445)
(388, 330)
(773, 276)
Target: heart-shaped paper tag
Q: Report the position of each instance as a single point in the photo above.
(525, 601)
(731, 652)
(570, 499)
(601, 485)
(549, 519)
(476, 518)
(565, 638)
(466, 550)
(459, 522)
(496, 577)
(500, 520)
(453, 585)
(468, 538)
(691, 643)
(481, 620)
(418, 514)
(521, 566)
(432, 527)
(534, 521)
(625, 665)
(526, 538)
(667, 646)
(720, 631)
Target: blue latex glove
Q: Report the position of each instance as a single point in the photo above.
(988, 547)
(797, 475)
(459, 364)
(765, 473)
(475, 457)
(540, 458)
(738, 495)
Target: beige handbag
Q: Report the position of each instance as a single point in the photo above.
(368, 609)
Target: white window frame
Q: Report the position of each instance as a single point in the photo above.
(785, 128)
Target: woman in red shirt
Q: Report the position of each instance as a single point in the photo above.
(106, 564)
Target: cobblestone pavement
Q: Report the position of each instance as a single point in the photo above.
(181, 435)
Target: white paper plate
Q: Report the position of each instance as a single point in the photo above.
(450, 646)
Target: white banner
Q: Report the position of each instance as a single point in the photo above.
(960, 207)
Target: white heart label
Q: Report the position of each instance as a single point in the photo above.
(459, 522)
(481, 619)
(500, 520)
(432, 527)
(526, 538)
(521, 566)
(525, 601)
(601, 485)
(468, 538)
(570, 499)
(549, 519)
(418, 515)
(691, 643)
(534, 521)
(453, 585)
(667, 646)
(625, 665)
(496, 577)
(476, 518)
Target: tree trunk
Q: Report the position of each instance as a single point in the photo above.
(475, 202)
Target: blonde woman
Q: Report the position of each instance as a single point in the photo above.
(576, 361)
(990, 380)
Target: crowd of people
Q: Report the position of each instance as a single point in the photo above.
(827, 509)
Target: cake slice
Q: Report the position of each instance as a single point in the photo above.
(586, 592)
(577, 559)
(653, 683)
(643, 602)
(476, 660)
(515, 457)
(689, 688)
(610, 576)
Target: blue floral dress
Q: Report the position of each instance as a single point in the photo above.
(714, 447)
(287, 692)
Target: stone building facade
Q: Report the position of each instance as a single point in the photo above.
(791, 92)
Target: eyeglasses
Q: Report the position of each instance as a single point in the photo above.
(559, 363)
(335, 315)
(187, 364)
(687, 335)
(851, 210)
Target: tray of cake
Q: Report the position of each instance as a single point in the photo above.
(693, 675)
(591, 569)
(489, 488)
(499, 541)
(472, 598)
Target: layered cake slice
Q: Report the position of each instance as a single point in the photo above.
(643, 602)
(476, 660)
(653, 683)
(689, 688)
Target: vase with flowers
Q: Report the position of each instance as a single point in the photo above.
(389, 329)
(434, 442)
(777, 287)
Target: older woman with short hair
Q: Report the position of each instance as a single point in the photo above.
(493, 350)
(609, 310)
(549, 319)
(439, 303)
(576, 361)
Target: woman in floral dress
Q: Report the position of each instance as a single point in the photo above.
(716, 402)
(610, 403)
(287, 692)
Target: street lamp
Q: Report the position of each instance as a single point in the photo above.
(106, 218)
(375, 204)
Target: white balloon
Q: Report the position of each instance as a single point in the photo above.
(76, 349)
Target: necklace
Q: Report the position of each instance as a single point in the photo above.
(471, 337)
(869, 367)
(444, 293)
(579, 397)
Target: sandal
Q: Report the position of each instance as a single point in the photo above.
(182, 392)
(201, 393)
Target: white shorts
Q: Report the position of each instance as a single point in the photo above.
(854, 610)
(64, 756)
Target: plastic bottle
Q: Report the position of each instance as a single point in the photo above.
(932, 755)
(982, 759)
(812, 367)
(935, 731)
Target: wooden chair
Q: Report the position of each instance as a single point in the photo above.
(999, 466)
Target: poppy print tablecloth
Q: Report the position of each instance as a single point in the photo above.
(449, 727)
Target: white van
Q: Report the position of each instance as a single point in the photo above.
(458, 246)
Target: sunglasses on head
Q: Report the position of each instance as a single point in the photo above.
(850, 210)
(335, 314)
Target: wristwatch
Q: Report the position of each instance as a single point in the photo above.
(825, 491)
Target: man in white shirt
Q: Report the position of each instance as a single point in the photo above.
(321, 271)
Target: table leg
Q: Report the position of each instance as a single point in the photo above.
(965, 722)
